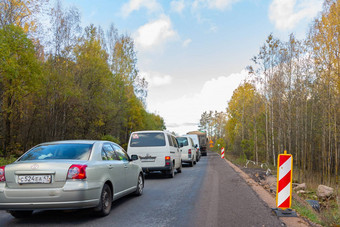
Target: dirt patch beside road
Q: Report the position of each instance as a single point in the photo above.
(266, 196)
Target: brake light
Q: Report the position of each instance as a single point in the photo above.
(167, 160)
(189, 151)
(77, 172)
(2, 174)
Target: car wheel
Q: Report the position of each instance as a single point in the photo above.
(191, 164)
(105, 202)
(140, 185)
(179, 170)
(195, 162)
(171, 173)
(21, 213)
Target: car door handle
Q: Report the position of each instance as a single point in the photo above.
(172, 152)
(110, 166)
(125, 166)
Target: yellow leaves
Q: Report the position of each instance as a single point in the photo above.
(99, 122)
(20, 13)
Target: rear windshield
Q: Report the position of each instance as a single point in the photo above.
(148, 139)
(183, 140)
(59, 151)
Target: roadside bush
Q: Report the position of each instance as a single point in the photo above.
(219, 144)
(6, 161)
(110, 138)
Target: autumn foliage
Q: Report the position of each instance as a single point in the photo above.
(290, 101)
(81, 84)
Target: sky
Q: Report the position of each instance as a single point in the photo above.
(193, 53)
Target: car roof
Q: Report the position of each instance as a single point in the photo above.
(151, 131)
(75, 142)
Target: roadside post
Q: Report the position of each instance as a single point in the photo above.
(222, 152)
(284, 186)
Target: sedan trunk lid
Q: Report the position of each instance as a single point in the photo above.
(38, 174)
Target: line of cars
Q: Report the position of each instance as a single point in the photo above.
(162, 151)
(77, 174)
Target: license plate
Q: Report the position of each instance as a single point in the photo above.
(34, 179)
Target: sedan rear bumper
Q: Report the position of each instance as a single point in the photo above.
(73, 195)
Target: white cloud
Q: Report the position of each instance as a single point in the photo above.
(186, 42)
(155, 33)
(286, 14)
(213, 28)
(214, 4)
(135, 5)
(177, 6)
(185, 117)
(155, 79)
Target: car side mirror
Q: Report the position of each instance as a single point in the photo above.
(196, 145)
(180, 144)
(134, 157)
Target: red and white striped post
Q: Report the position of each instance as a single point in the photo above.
(222, 152)
(284, 181)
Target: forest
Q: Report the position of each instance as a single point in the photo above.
(66, 82)
(290, 101)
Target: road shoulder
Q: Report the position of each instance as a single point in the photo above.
(268, 198)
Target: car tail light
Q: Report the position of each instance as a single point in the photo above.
(189, 153)
(167, 160)
(77, 172)
(2, 173)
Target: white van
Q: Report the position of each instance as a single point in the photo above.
(197, 145)
(188, 150)
(157, 151)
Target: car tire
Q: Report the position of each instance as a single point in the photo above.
(171, 173)
(191, 164)
(21, 213)
(179, 170)
(195, 162)
(105, 202)
(140, 186)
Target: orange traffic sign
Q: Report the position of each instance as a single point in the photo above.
(211, 142)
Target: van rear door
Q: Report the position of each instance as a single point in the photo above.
(150, 148)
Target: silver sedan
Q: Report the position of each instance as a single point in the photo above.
(69, 175)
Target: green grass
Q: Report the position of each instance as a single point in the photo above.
(305, 212)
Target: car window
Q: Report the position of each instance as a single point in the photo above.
(59, 151)
(191, 142)
(109, 151)
(174, 141)
(170, 141)
(182, 140)
(147, 139)
(104, 155)
(120, 153)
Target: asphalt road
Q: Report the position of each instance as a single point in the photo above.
(208, 194)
